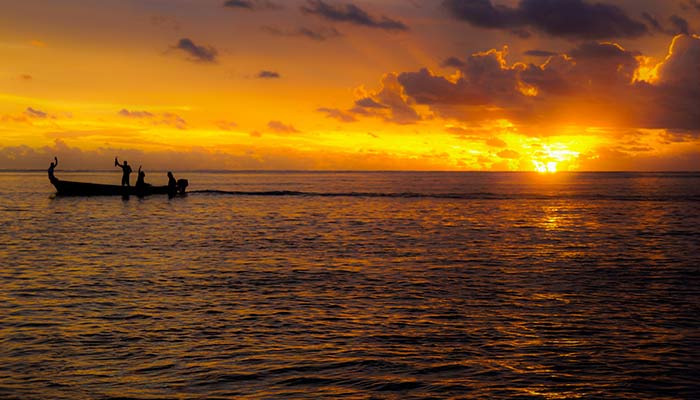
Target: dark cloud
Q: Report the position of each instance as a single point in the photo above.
(485, 78)
(26, 77)
(368, 102)
(34, 113)
(603, 65)
(679, 136)
(252, 5)
(576, 19)
(340, 115)
(197, 53)
(247, 4)
(398, 107)
(319, 34)
(170, 119)
(280, 127)
(653, 22)
(691, 4)
(540, 53)
(352, 14)
(135, 114)
(265, 74)
(678, 24)
(682, 67)
(521, 33)
(390, 103)
(483, 14)
(427, 88)
(453, 62)
(676, 93)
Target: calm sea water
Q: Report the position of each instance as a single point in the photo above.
(353, 285)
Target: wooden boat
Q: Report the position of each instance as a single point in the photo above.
(69, 188)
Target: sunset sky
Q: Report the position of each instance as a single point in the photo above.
(372, 85)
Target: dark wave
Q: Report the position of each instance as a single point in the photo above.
(458, 196)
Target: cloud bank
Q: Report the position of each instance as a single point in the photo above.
(594, 84)
(576, 19)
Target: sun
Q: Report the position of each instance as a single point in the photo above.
(553, 157)
(545, 167)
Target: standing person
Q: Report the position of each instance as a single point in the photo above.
(126, 171)
(172, 185)
(53, 165)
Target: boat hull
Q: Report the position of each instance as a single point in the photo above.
(69, 188)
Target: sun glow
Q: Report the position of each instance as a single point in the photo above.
(648, 70)
(550, 158)
(548, 167)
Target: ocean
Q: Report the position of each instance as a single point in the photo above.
(353, 285)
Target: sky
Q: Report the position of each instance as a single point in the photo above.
(464, 85)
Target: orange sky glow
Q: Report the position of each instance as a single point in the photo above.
(351, 85)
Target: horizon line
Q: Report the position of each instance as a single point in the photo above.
(344, 171)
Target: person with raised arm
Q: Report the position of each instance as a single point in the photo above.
(126, 171)
(53, 165)
(141, 184)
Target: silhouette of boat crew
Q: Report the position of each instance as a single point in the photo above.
(126, 171)
(141, 184)
(140, 180)
(69, 188)
(172, 185)
(53, 165)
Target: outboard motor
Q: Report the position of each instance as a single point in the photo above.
(182, 185)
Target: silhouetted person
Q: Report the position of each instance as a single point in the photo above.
(126, 171)
(140, 181)
(53, 165)
(141, 184)
(172, 185)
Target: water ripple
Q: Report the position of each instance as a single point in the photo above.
(525, 293)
